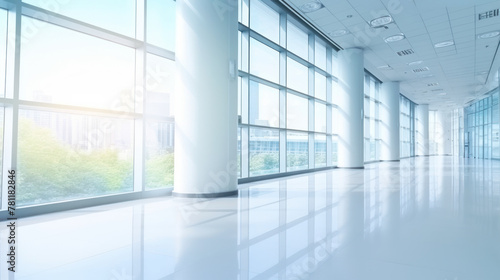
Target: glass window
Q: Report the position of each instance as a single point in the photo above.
(335, 64)
(297, 41)
(320, 54)
(334, 150)
(243, 12)
(264, 151)
(68, 156)
(265, 20)
(159, 154)
(320, 117)
(3, 49)
(161, 23)
(367, 107)
(264, 61)
(264, 105)
(297, 76)
(297, 109)
(114, 15)
(319, 150)
(372, 109)
(335, 120)
(297, 151)
(320, 86)
(160, 86)
(373, 89)
(76, 69)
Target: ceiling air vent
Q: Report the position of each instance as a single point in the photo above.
(420, 70)
(405, 52)
(488, 14)
(432, 84)
(439, 89)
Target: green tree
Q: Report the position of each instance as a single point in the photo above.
(50, 170)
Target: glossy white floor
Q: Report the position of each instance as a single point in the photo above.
(424, 218)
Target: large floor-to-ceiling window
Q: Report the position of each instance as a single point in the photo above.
(457, 137)
(286, 106)
(87, 106)
(372, 119)
(481, 134)
(407, 127)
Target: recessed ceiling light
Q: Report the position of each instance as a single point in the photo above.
(394, 38)
(442, 93)
(338, 33)
(415, 62)
(444, 44)
(311, 6)
(488, 35)
(420, 70)
(385, 67)
(381, 21)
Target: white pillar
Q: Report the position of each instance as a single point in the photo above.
(206, 98)
(422, 130)
(350, 102)
(389, 116)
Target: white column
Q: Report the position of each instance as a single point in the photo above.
(422, 113)
(206, 98)
(389, 126)
(351, 98)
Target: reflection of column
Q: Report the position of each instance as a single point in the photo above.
(206, 99)
(244, 212)
(422, 188)
(423, 130)
(389, 116)
(352, 237)
(443, 132)
(282, 226)
(350, 101)
(138, 242)
(201, 229)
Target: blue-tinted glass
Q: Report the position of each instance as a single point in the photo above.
(264, 61)
(297, 112)
(297, 151)
(297, 41)
(160, 86)
(159, 154)
(265, 20)
(320, 117)
(319, 150)
(264, 151)
(114, 15)
(264, 105)
(76, 69)
(161, 23)
(320, 54)
(320, 86)
(68, 156)
(297, 76)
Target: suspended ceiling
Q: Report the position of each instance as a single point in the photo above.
(447, 77)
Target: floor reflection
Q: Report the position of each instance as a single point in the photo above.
(421, 218)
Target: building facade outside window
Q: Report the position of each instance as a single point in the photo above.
(87, 109)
